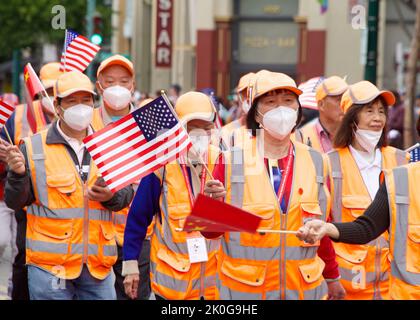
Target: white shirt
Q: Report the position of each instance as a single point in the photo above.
(76, 145)
(370, 167)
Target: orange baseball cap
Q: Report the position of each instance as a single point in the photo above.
(332, 86)
(364, 92)
(244, 82)
(71, 82)
(266, 81)
(116, 60)
(49, 74)
(195, 106)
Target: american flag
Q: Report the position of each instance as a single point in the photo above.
(78, 52)
(6, 111)
(138, 144)
(307, 98)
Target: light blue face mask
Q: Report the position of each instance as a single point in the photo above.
(115, 118)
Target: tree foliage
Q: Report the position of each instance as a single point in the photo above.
(27, 23)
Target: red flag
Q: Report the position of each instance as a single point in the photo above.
(33, 87)
(210, 215)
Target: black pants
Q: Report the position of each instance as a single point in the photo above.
(144, 268)
(20, 270)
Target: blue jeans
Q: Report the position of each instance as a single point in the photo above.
(45, 286)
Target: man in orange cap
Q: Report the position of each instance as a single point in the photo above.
(320, 132)
(18, 128)
(115, 84)
(70, 238)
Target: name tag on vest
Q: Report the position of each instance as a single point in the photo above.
(197, 250)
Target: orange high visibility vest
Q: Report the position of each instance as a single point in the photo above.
(403, 194)
(364, 269)
(65, 230)
(273, 266)
(172, 275)
(22, 128)
(310, 136)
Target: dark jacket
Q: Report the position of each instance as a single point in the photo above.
(19, 190)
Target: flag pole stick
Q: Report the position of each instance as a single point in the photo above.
(412, 147)
(8, 135)
(163, 93)
(259, 231)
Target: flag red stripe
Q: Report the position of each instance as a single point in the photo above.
(141, 174)
(78, 48)
(112, 137)
(76, 53)
(118, 155)
(73, 67)
(6, 106)
(139, 155)
(5, 114)
(138, 167)
(75, 64)
(85, 41)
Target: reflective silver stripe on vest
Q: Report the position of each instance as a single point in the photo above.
(319, 169)
(209, 281)
(38, 157)
(69, 213)
(350, 275)
(402, 200)
(226, 293)
(237, 178)
(239, 251)
(164, 280)
(63, 248)
(337, 177)
(401, 157)
(120, 218)
(318, 293)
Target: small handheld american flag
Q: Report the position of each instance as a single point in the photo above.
(6, 111)
(78, 52)
(307, 98)
(414, 152)
(138, 144)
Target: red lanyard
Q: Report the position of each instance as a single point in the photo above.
(285, 177)
(187, 180)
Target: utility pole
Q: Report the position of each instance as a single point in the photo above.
(16, 72)
(372, 46)
(91, 8)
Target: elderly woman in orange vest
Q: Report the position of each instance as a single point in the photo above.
(396, 209)
(361, 153)
(284, 183)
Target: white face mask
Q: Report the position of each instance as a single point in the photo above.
(280, 121)
(200, 143)
(117, 97)
(246, 106)
(78, 117)
(48, 103)
(368, 139)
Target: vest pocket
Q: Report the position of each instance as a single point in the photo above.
(310, 210)
(311, 272)
(356, 204)
(51, 241)
(264, 211)
(107, 251)
(175, 261)
(251, 275)
(353, 254)
(60, 188)
(413, 248)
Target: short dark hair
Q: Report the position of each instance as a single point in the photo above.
(345, 132)
(177, 88)
(252, 124)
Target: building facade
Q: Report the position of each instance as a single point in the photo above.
(211, 43)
